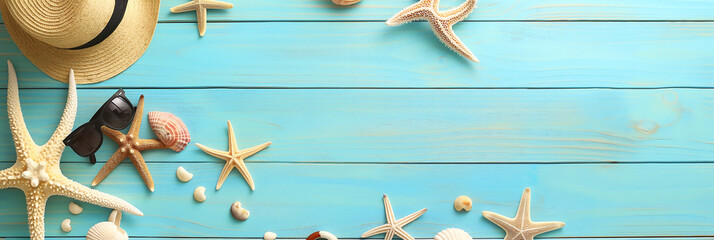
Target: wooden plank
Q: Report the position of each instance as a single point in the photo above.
(424, 126)
(380, 10)
(372, 55)
(295, 200)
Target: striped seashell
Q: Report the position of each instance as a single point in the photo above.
(109, 230)
(170, 130)
(453, 234)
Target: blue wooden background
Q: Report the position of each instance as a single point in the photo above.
(602, 107)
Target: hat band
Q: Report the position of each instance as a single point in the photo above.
(114, 21)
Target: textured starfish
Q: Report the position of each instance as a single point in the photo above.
(37, 171)
(441, 22)
(235, 158)
(130, 145)
(393, 226)
(521, 227)
(200, 7)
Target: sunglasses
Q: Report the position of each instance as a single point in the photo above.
(116, 113)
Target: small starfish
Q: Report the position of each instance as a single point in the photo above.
(37, 171)
(441, 22)
(130, 145)
(234, 158)
(393, 226)
(521, 227)
(200, 7)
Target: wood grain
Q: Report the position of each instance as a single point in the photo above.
(420, 125)
(295, 200)
(373, 55)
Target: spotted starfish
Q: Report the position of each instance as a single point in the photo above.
(235, 158)
(393, 226)
(37, 171)
(200, 6)
(441, 22)
(130, 145)
(521, 227)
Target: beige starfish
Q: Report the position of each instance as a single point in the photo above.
(235, 158)
(37, 171)
(521, 227)
(200, 6)
(393, 226)
(130, 145)
(441, 22)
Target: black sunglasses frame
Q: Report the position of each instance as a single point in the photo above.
(96, 123)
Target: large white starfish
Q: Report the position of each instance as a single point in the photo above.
(393, 226)
(234, 157)
(37, 171)
(441, 22)
(521, 227)
(200, 6)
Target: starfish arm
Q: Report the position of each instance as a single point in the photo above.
(36, 201)
(143, 170)
(114, 135)
(232, 144)
(55, 144)
(541, 227)
(224, 174)
(213, 152)
(148, 144)
(524, 208)
(250, 151)
(189, 6)
(448, 37)
(501, 221)
(68, 188)
(388, 210)
(403, 234)
(216, 4)
(246, 174)
(374, 231)
(10, 178)
(406, 220)
(416, 11)
(201, 21)
(136, 122)
(20, 134)
(390, 234)
(112, 163)
(459, 13)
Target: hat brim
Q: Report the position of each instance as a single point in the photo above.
(97, 63)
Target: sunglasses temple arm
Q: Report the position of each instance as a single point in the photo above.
(92, 158)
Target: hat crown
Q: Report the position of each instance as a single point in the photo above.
(62, 23)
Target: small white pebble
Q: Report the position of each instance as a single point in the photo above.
(183, 175)
(66, 227)
(200, 194)
(74, 208)
(270, 236)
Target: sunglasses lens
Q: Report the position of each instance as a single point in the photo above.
(85, 140)
(117, 114)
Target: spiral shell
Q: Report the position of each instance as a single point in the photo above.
(109, 230)
(452, 234)
(170, 130)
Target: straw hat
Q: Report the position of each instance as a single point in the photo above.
(97, 38)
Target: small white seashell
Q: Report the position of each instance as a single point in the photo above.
(200, 194)
(239, 212)
(269, 236)
(463, 203)
(66, 227)
(109, 230)
(74, 208)
(170, 130)
(452, 234)
(345, 2)
(183, 175)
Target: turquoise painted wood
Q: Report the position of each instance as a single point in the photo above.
(373, 55)
(408, 126)
(295, 200)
